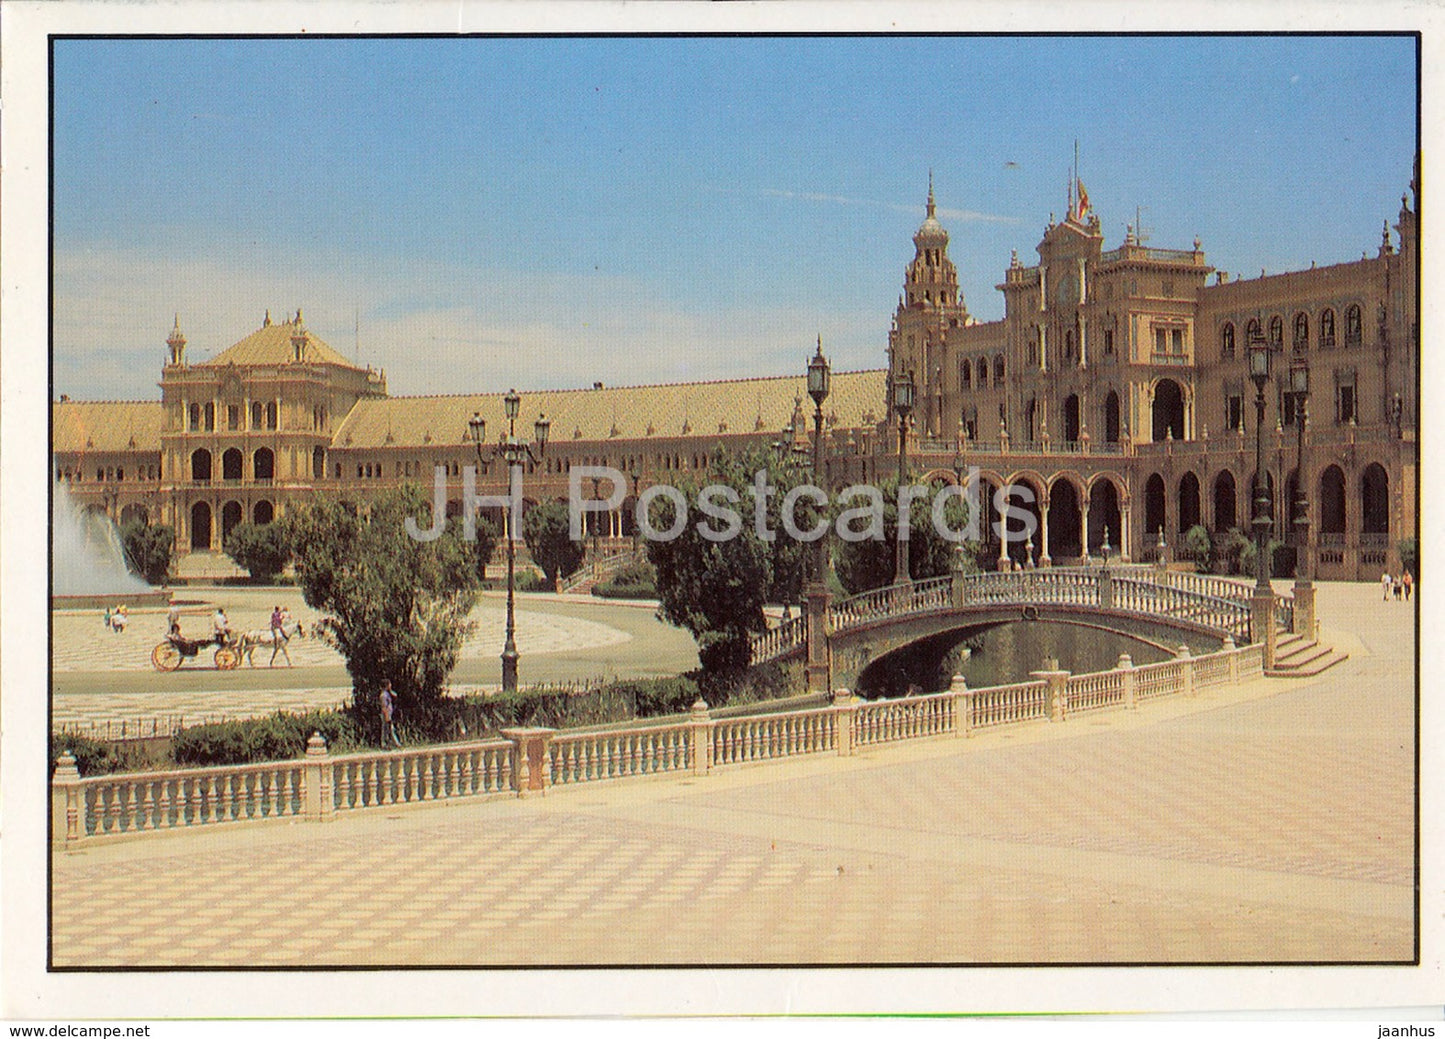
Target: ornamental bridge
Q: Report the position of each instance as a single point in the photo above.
(1157, 606)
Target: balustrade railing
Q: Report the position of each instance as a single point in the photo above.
(777, 642)
(320, 786)
(425, 774)
(588, 756)
(122, 804)
(772, 736)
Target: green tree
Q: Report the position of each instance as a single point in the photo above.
(394, 606)
(716, 589)
(868, 564)
(484, 548)
(261, 548)
(1198, 547)
(545, 530)
(148, 550)
(1409, 554)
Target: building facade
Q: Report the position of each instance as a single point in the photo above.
(1115, 389)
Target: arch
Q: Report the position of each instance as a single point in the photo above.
(937, 477)
(1071, 418)
(965, 374)
(1104, 517)
(1353, 332)
(271, 414)
(1252, 331)
(201, 469)
(263, 464)
(1374, 500)
(231, 515)
(1168, 410)
(1327, 328)
(1332, 500)
(1188, 498)
(1301, 332)
(1021, 531)
(231, 464)
(258, 415)
(1111, 418)
(1226, 503)
(262, 513)
(1153, 504)
(982, 379)
(135, 512)
(1226, 341)
(1276, 331)
(1066, 521)
(200, 526)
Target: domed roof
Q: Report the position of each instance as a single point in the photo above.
(931, 233)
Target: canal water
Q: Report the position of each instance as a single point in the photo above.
(1003, 655)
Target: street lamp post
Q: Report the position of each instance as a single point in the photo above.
(1262, 602)
(819, 666)
(514, 451)
(903, 405)
(1304, 589)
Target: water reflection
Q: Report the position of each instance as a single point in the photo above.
(1003, 654)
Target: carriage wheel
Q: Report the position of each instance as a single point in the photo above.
(165, 657)
(227, 659)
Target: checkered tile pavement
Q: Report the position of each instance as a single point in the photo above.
(1272, 826)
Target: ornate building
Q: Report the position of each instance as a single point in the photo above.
(1114, 388)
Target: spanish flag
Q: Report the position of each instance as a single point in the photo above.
(1083, 200)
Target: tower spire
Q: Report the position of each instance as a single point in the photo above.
(930, 192)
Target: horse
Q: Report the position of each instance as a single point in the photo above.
(267, 637)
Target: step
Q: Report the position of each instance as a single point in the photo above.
(1313, 667)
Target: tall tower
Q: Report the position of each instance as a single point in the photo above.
(177, 344)
(930, 305)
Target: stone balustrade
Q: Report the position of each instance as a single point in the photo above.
(321, 786)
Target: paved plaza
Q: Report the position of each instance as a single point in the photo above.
(102, 678)
(1269, 823)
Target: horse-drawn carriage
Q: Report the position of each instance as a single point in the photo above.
(176, 650)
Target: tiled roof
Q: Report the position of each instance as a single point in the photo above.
(271, 344)
(108, 425)
(704, 409)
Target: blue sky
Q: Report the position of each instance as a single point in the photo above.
(547, 212)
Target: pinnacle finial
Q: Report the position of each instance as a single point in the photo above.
(930, 192)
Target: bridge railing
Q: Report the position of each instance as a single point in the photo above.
(779, 641)
(321, 786)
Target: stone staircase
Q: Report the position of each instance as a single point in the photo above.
(1299, 656)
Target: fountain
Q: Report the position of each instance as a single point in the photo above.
(87, 559)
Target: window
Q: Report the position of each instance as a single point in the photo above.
(998, 370)
(1353, 336)
(195, 417)
(1301, 332)
(1251, 331)
(233, 416)
(256, 413)
(1234, 411)
(210, 418)
(1176, 340)
(1276, 331)
(1346, 402)
(1167, 287)
(1327, 329)
(1108, 342)
(1161, 340)
(965, 374)
(271, 415)
(1226, 344)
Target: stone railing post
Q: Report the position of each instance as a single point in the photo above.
(1230, 648)
(531, 769)
(962, 706)
(1056, 695)
(1188, 669)
(699, 733)
(65, 828)
(845, 713)
(1304, 610)
(1126, 665)
(316, 781)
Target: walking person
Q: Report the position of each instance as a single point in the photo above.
(1409, 583)
(1386, 583)
(1399, 587)
(387, 699)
